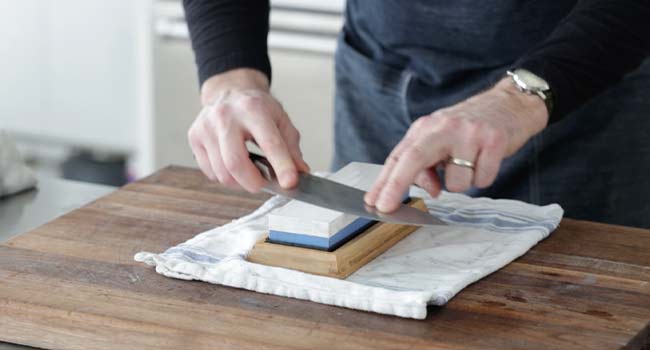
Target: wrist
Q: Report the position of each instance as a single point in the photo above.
(235, 79)
(529, 107)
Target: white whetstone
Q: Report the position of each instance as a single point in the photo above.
(305, 219)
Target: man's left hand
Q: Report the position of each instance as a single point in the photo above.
(483, 129)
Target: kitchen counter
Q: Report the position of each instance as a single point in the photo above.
(25, 211)
(53, 197)
(73, 284)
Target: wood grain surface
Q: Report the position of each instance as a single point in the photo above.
(73, 284)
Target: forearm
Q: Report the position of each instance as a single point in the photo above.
(590, 50)
(228, 34)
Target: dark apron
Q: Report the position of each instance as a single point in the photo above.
(398, 60)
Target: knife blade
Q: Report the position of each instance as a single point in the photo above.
(325, 193)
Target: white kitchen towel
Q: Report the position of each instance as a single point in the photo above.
(428, 267)
(15, 176)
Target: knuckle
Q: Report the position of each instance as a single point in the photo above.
(192, 135)
(415, 153)
(228, 181)
(195, 136)
(421, 126)
(494, 138)
(447, 121)
(272, 144)
(395, 183)
(221, 109)
(225, 124)
(420, 123)
(233, 163)
(474, 127)
(250, 102)
(293, 136)
(207, 123)
(393, 158)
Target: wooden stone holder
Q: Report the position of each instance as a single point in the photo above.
(341, 262)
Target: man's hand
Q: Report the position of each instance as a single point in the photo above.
(237, 108)
(483, 129)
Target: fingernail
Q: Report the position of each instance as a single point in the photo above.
(368, 198)
(382, 204)
(287, 178)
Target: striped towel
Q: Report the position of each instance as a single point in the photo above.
(428, 267)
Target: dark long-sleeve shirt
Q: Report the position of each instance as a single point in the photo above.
(592, 44)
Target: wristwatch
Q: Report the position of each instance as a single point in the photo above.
(530, 83)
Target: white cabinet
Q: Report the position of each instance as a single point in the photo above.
(68, 71)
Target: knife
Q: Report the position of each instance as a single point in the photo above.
(328, 194)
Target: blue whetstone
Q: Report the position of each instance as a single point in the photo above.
(331, 243)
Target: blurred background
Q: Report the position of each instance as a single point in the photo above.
(104, 91)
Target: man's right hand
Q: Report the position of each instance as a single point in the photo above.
(238, 108)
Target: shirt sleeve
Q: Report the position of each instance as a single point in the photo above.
(591, 49)
(228, 34)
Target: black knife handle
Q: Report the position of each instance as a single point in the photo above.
(263, 165)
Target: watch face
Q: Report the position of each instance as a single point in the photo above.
(530, 80)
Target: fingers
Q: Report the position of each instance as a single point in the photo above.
(270, 140)
(489, 160)
(371, 196)
(219, 134)
(417, 151)
(210, 163)
(432, 140)
(428, 179)
(201, 157)
(232, 144)
(459, 178)
(411, 162)
(292, 137)
(301, 165)
(213, 151)
(204, 163)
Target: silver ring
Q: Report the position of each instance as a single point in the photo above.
(460, 162)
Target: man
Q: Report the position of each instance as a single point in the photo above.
(423, 86)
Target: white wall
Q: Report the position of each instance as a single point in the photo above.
(67, 71)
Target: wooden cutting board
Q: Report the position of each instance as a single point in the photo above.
(73, 284)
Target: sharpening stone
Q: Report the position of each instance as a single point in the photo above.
(306, 225)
